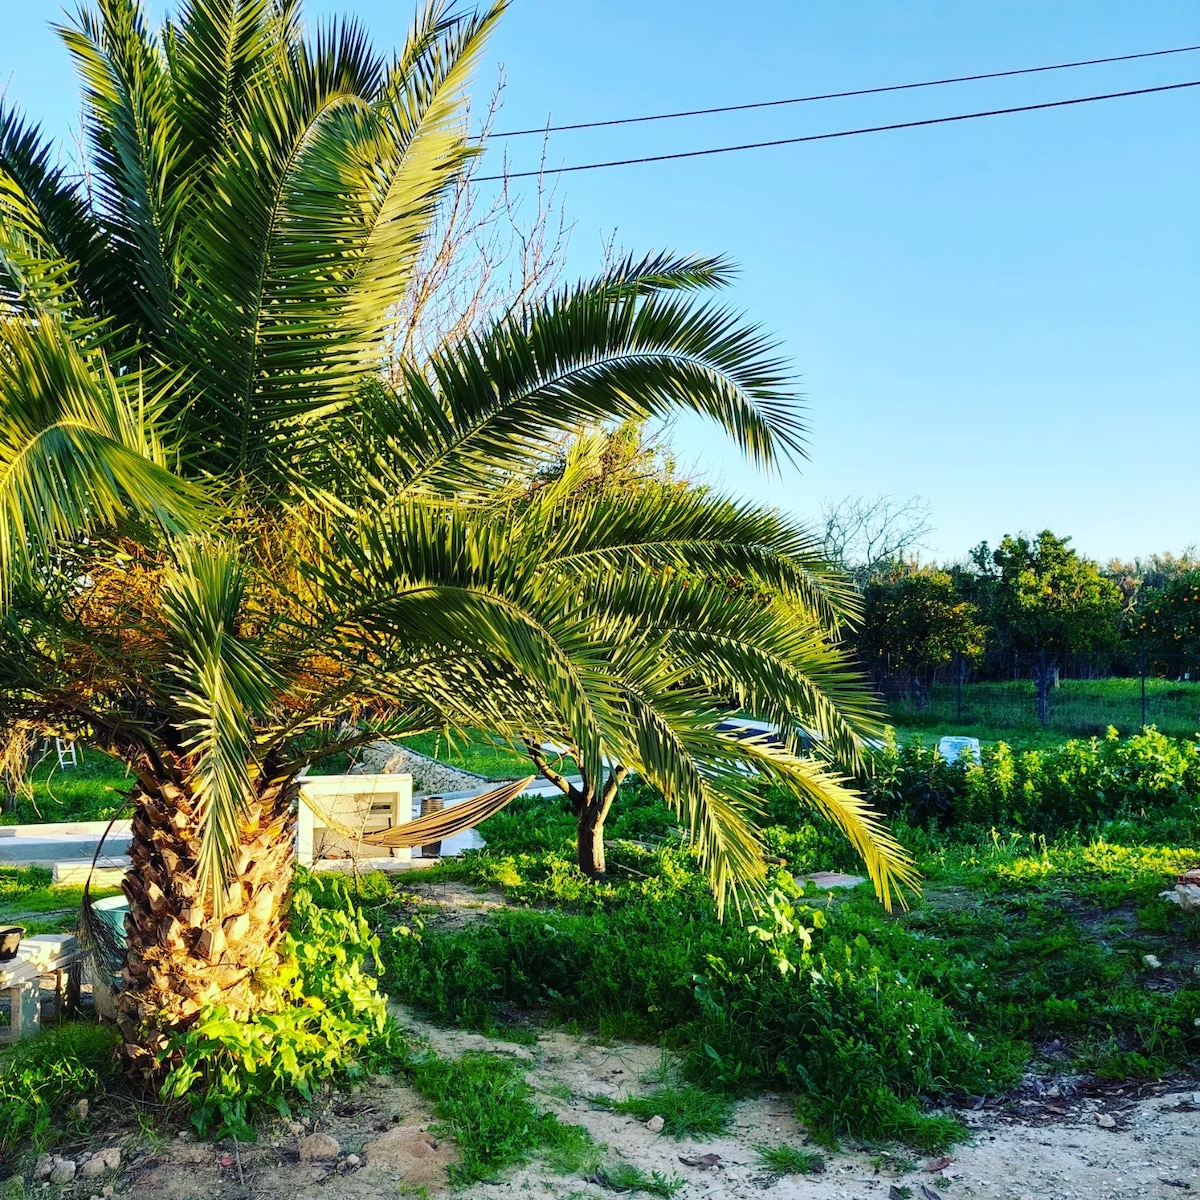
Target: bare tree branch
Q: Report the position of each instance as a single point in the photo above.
(862, 534)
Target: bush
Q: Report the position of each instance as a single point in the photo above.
(321, 1019)
(1073, 787)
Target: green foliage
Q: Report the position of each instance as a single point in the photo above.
(485, 1103)
(1020, 941)
(320, 1018)
(44, 1078)
(1041, 595)
(1075, 786)
(687, 1111)
(625, 1177)
(1170, 624)
(917, 618)
(789, 1160)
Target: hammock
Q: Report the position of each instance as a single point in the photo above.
(438, 826)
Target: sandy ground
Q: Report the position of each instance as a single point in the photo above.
(1025, 1149)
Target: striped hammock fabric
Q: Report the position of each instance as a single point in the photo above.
(438, 826)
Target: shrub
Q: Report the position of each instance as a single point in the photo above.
(321, 1019)
(1073, 787)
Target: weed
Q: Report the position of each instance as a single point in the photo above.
(788, 1160)
(625, 1177)
(484, 1102)
(687, 1111)
(42, 1081)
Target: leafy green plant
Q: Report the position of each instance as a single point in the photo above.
(43, 1079)
(687, 1111)
(625, 1177)
(789, 1160)
(485, 1103)
(321, 1018)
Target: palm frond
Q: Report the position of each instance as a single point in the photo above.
(79, 449)
(130, 121)
(601, 352)
(49, 235)
(224, 687)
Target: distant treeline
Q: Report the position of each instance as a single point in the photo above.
(1031, 607)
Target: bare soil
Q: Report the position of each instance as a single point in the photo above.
(1026, 1148)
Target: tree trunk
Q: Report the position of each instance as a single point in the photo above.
(589, 841)
(1042, 673)
(180, 956)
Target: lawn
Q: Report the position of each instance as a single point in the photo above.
(95, 790)
(1077, 706)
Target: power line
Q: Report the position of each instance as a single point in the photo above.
(841, 133)
(871, 91)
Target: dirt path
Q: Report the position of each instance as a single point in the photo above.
(1032, 1150)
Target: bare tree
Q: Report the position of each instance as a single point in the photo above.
(491, 250)
(862, 534)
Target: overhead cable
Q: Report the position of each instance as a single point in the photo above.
(840, 133)
(870, 91)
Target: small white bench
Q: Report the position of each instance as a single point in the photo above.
(337, 810)
(53, 954)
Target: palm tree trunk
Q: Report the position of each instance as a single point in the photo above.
(180, 956)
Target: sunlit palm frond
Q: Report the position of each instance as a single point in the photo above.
(50, 243)
(131, 124)
(590, 354)
(79, 451)
(224, 688)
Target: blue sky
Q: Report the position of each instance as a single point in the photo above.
(1002, 316)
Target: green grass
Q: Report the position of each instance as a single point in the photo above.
(480, 754)
(993, 711)
(788, 1160)
(625, 1177)
(687, 1111)
(44, 1078)
(95, 790)
(28, 898)
(484, 1102)
(1018, 943)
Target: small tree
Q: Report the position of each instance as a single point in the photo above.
(1170, 625)
(1044, 600)
(918, 618)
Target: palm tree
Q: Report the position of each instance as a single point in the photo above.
(224, 532)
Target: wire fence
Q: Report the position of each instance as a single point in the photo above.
(1083, 698)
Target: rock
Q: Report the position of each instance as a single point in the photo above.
(353, 1161)
(1151, 960)
(402, 1149)
(81, 1110)
(1105, 1121)
(1054, 1091)
(63, 1171)
(296, 1128)
(43, 1167)
(655, 1124)
(101, 1163)
(317, 1147)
